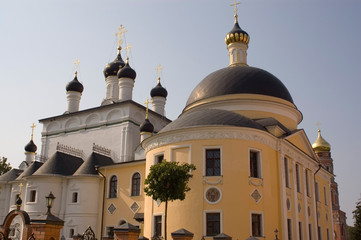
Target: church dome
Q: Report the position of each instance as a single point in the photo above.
(321, 145)
(74, 85)
(239, 80)
(237, 34)
(146, 126)
(31, 147)
(159, 91)
(111, 69)
(127, 72)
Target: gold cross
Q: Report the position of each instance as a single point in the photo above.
(159, 69)
(235, 8)
(119, 34)
(32, 130)
(20, 186)
(76, 63)
(146, 110)
(127, 48)
(318, 125)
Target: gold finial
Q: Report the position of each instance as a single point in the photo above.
(32, 130)
(20, 186)
(119, 34)
(127, 48)
(318, 126)
(159, 70)
(235, 10)
(146, 110)
(76, 63)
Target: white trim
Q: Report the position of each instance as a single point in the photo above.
(156, 155)
(28, 195)
(71, 198)
(131, 184)
(259, 161)
(204, 148)
(205, 197)
(154, 215)
(108, 186)
(189, 146)
(205, 220)
(262, 222)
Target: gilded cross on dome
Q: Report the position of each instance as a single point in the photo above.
(159, 70)
(235, 8)
(32, 130)
(20, 186)
(76, 63)
(146, 110)
(318, 125)
(119, 34)
(127, 48)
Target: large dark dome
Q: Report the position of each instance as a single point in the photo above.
(238, 80)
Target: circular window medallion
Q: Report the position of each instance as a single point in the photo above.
(213, 195)
(288, 204)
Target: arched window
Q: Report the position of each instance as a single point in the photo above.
(113, 187)
(136, 184)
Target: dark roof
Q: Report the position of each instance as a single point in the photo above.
(146, 126)
(111, 69)
(31, 169)
(237, 34)
(127, 72)
(31, 147)
(272, 122)
(60, 164)
(206, 117)
(10, 175)
(95, 159)
(159, 91)
(74, 85)
(182, 232)
(239, 79)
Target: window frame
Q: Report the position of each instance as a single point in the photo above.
(258, 163)
(135, 189)
(300, 231)
(154, 224)
(33, 196)
(72, 197)
(156, 157)
(317, 191)
(325, 195)
(287, 172)
(298, 177)
(261, 224)
(307, 182)
(111, 192)
(109, 229)
(289, 229)
(209, 148)
(205, 222)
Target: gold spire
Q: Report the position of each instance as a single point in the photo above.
(159, 70)
(76, 63)
(32, 130)
(146, 110)
(235, 10)
(321, 145)
(119, 35)
(127, 48)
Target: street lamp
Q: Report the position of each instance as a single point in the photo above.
(50, 201)
(276, 234)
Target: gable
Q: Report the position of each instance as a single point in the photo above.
(300, 140)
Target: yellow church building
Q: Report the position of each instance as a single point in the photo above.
(257, 173)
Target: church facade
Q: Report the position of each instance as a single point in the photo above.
(256, 172)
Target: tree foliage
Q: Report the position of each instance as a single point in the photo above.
(4, 165)
(168, 181)
(354, 232)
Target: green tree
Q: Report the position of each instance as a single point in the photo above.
(354, 232)
(4, 165)
(168, 181)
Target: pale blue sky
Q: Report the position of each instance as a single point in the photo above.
(312, 46)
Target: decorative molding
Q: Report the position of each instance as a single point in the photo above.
(69, 150)
(213, 195)
(256, 195)
(218, 181)
(101, 150)
(256, 181)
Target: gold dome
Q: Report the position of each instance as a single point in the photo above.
(321, 145)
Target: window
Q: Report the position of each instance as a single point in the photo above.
(213, 162)
(74, 197)
(113, 187)
(257, 225)
(213, 224)
(317, 192)
(298, 178)
(328, 234)
(157, 226)
(71, 232)
(159, 158)
(32, 196)
(287, 177)
(307, 183)
(136, 184)
(255, 164)
(300, 232)
(310, 231)
(319, 233)
(110, 231)
(325, 195)
(289, 229)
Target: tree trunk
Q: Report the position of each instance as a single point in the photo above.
(165, 220)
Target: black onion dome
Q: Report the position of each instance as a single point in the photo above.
(146, 126)
(237, 34)
(159, 91)
(239, 80)
(211, 117)
(111, 69)
(31, 147)
(74, 85)
(127, 72)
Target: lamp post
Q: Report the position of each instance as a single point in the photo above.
(276, 234)
(50, 202)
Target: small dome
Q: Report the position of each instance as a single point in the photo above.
(74, 85)
(147, 126)
(237, 35)
(111, 69)
(159, 91)
(127, 72)
(321, 145)
(31, 147)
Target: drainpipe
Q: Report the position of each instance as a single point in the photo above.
(102, 218)
(314, 182)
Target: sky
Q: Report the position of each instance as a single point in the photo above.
(312, 46)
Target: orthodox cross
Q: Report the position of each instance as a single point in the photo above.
(32, 130)
(20, 186)
(76, 63)
(127, 48)
(318, 125)
(159, 69)
(235, 8)
(146, 110)
(119, 34)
